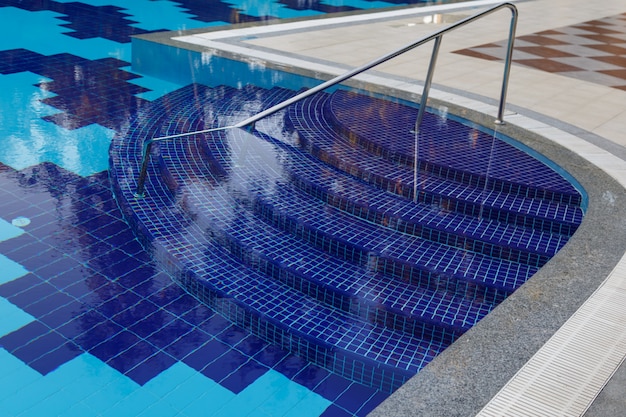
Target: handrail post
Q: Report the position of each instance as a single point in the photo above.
(145, 158)
(428, 82)
(420, 114)
(507, 65)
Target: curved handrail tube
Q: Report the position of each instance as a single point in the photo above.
(352, 73)
(147, 147)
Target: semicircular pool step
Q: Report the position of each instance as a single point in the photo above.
(375, 355)
(340, 282)
(502, 240)
(306, 255)
(477, 158)
(319, 137)
(400, 255)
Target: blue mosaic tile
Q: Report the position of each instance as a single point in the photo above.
(247, 207)
(474, 158)
(92, 312)
(318, 136)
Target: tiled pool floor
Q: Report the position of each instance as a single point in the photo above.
(91, 327)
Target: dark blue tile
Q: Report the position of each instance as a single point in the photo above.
(186, 344)
(224, 365)
(244, 375)
(137, 276)
(232, 335)
(80, 284)
(23, 335)
(214, 324)
(144, 326)
(35, 255)
(251, 345)
(150, 367)
(53, 358)
(182, 305)
(135, 352)
(374, 401)
(334, 411)
(130, 247)
(59, 266)
(271, 355)
(165, 295)
(114, 345)
(311, 376)
(95, 332)
(201, 357)
(53, 308)
(147, 285)
(74, 329)
(169, 333)
(353, 398)
(332, 387)
(40, 346)
(291, 366)
(19, 285)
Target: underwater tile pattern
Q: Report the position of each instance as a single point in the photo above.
(348, 291)
(468, 198)
(593, 51)
(79, 294)
(85, 291)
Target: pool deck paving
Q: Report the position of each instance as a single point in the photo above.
(556, 346)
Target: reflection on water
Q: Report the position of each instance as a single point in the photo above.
(28, 138)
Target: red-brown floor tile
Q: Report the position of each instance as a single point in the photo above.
(541, 40)
(544, 52)
(547, 65)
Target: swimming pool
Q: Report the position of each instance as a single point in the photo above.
(100, 326)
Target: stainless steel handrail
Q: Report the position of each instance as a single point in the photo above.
(147, 145)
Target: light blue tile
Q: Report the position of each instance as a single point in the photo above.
(117, 388)
(14, 377)
(81, 377)
(269, 8)
(312, 405)
(79, 410)
(83, 151)
(38, 390)
(48, 406)
(159, 409)
(8, 231)
(265, 386)
(153, 15)
(282, 401)
(254, 395)
(10, 270)
(158, 87)
(9, 364)
(54, 41)
(210, 403)
(131, 404)
(12, 317)
(196, 388)
(167, 381)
